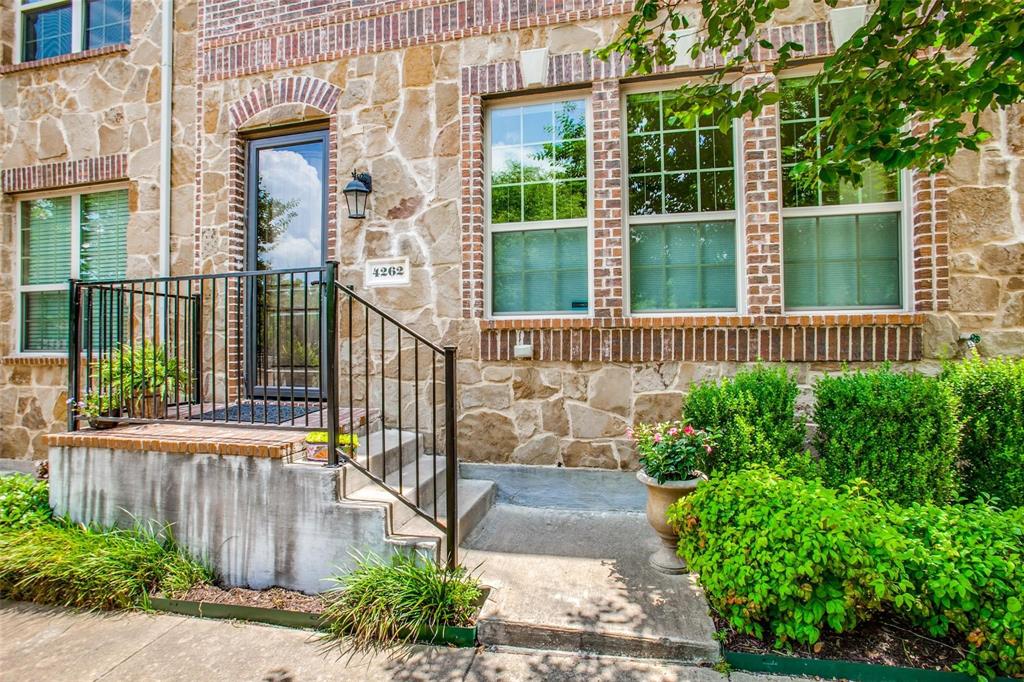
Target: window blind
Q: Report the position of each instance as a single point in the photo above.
(104, 228)
(44, 320)
(681, 266)
(47, 32)
(539, 271)
(842, 261)
(46, 241)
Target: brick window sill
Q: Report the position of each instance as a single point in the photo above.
(700, 321)
(69, 58)
(35, 360)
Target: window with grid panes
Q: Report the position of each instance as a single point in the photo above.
(841, 244)
(81, 235)
(50, 28)
(682, 208)
(537, 191)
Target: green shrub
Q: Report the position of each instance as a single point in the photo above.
(383, 605)
(751, 416)
(793, 556)
(790, 558)
(967, 569)
(899, 432)
(74, 565)
(991, 395)
(24, 501)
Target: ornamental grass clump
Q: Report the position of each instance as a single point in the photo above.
(991, 397)
(672, 451)
(384, 605)
(71, 564)
(753, 417)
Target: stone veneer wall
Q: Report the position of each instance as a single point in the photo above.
(86, 119)
(412, 81)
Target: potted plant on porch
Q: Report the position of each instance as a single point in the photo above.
(316, 445)
(672, 455)
(142, 376)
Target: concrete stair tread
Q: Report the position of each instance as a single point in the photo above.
(475, 498)
(372, 492)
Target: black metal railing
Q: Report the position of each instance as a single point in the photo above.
(272, 349)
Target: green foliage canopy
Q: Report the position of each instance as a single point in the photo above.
(939, 61)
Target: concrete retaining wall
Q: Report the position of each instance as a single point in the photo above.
(258, 522)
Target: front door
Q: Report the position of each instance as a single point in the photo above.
(287, 227)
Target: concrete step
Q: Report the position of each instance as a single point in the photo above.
(429, 485)
(575, 580)
(379, 452)
(475, 498)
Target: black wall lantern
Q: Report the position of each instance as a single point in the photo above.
(356, 192)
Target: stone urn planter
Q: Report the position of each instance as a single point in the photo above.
(661, 496)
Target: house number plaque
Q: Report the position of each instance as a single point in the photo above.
(387, 272)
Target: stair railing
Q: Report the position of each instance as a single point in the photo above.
(272, 349)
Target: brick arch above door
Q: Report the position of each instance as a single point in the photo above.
(301, 90)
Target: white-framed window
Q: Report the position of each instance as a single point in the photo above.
(681, 206)
(843, 247)
(60, 236)
(50, 28)
(538, 189)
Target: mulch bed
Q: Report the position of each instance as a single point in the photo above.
(274, 598)
(884, 643)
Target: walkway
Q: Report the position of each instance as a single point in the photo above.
(60, 645)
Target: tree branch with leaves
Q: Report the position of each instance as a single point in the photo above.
(937, 62)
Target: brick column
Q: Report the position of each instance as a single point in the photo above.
(762, 218)
(929, 241)
(608, 219)
(472, 170)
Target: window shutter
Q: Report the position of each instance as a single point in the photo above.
(104, 235)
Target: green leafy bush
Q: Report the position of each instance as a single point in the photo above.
(900, 432)
(24, 501)
(784, 557)
(383, 605)
(74, 565)
(991, 395)
(791, 556)
(752, 417)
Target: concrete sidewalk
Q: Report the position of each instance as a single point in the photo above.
(56, 645)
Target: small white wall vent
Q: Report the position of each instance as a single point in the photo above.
(844, 22)
(684, 41)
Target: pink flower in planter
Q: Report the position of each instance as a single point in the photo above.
(673, 431)
(688, 430)
(629, 434)
(657, 438)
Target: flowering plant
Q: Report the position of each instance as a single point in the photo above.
(671, 451)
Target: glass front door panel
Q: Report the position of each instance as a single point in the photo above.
(286, 228)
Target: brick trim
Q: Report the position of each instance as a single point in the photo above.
(68, 58)
(307, 90)
(712, 320)
(762, 221)
(45, 176)
(472, 212)
(772, 343)
(607, 253)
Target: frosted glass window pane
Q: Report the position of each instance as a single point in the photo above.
(683, 266)
(539, 271)
(842, 261)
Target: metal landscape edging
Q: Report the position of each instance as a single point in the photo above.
(457, 636)
(849, 670)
